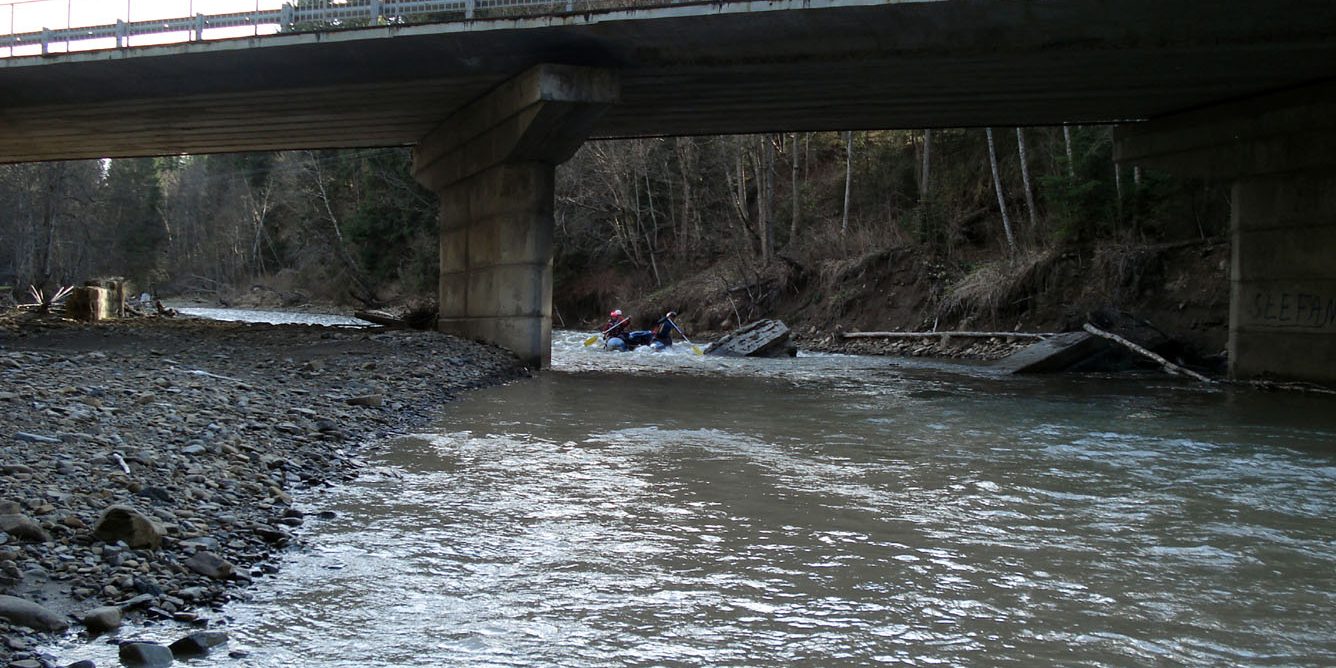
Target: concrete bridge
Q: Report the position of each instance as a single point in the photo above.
(1241, 90)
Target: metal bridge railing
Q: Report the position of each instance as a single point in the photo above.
(29, 33)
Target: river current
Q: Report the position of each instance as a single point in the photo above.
(676, 510)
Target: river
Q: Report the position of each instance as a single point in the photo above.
(642, 509)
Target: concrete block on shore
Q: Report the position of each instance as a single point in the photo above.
(92, 304)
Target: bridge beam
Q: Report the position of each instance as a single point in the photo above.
(492, 163)
(1279, 151)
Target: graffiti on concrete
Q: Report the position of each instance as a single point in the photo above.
(1291, 309)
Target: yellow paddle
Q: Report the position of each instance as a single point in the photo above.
(695, 349)
(590, 341)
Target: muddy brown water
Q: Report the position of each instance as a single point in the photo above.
(640, 509)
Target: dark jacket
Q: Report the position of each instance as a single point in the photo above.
(616, 328)
(663, 331)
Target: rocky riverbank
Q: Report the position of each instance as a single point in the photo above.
(148, 468)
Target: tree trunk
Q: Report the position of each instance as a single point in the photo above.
(1136, 199)
(1067, 141)
(1025, 180)
(739, 190)
(683, 148)
(997, 186)
(259, 210)
(55, 177)
(1118, 189)
(340, 248)
(793, 186)
(652, 237)
(925, 182)
(766, 191)
(848, 178)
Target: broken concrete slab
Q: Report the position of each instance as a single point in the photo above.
(1057, 353)
(763, 338)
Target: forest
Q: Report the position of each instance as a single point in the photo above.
(1016, 227)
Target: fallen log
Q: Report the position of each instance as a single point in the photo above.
(944, 335)
(380, 318)
(1164, 363)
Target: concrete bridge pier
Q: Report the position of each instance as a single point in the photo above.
(493, 164)
(1279, 151)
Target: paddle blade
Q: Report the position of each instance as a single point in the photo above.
(695, 350)
(590, 341)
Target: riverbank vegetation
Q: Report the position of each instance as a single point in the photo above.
(999, 228)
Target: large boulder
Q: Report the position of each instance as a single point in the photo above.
(763, 338)
(210, 565)
(23, 527)
(123, 523)
(21, 612)
(103, 619)
(197, 643)
(146, 655)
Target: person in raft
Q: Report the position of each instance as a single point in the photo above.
(663, 331)
(614, 332)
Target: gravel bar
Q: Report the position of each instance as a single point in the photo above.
(147, 467)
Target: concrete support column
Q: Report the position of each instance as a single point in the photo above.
(1282, 316)
(1279, 152)
(493, 164)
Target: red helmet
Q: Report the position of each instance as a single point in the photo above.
(616, 313)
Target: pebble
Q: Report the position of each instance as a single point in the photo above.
(199, 436)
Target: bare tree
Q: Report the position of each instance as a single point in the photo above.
(766, 198)
(364, 291)
(848, 178)
(1067, 142)
(1025, 180)
(997, 186)
(925, 182)
(793, 188)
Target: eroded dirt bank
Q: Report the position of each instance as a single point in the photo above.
(200, 433)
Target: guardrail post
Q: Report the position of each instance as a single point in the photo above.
(468, 9)
(121, 33)
(46, 39)
(199, 27)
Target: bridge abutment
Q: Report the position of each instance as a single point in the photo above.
(493, 164)
(1279, 151)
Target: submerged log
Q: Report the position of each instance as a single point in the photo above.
(763, 338)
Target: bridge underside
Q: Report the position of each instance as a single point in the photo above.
(712, 68)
